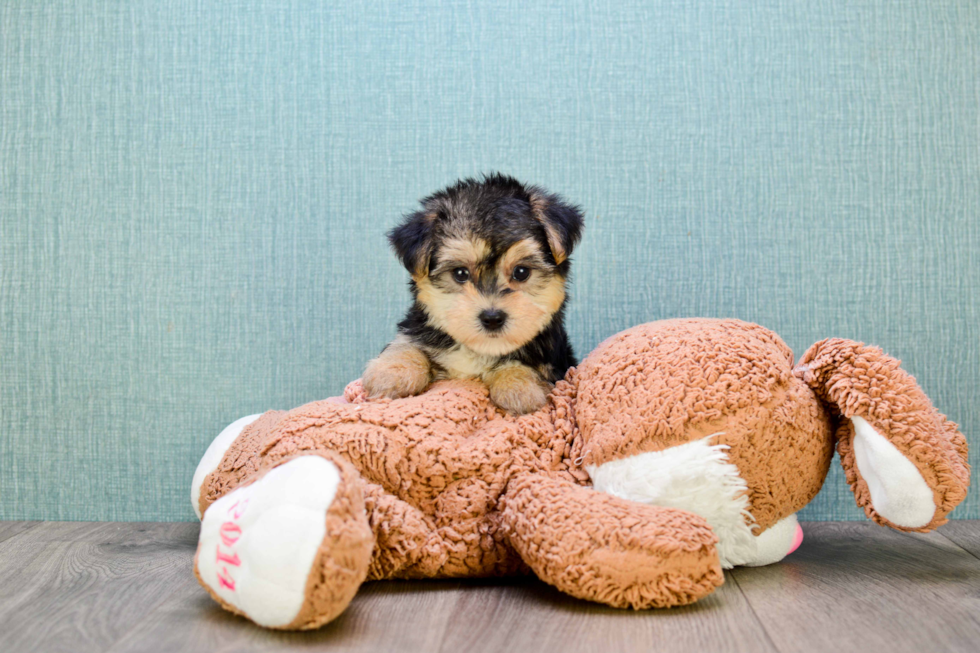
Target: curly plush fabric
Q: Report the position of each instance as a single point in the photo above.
(452, 437)
(445, 485)
(861, 381)
(595, 546)
(683, 380)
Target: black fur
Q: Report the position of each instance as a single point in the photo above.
(496, 208)
(502, 211)
(550, 352)
(416, 326)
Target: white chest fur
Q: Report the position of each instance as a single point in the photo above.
(460, 362)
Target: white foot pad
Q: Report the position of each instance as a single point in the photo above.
(259, 542)
(898, 491)
(212, 457)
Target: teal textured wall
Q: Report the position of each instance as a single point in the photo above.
(193, 198)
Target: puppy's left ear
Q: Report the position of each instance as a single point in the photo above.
(412, 242)
(562, 223)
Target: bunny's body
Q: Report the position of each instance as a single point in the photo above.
(674, 450)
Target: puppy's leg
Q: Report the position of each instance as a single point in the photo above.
(516, 388)
(402, 370)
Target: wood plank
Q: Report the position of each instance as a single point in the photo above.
(384, 616)
(852, 586)
(9, 529)
(858, 587)
(528, 615)
(966, 534)
(513, 615)
(81, 586)
(518, 614)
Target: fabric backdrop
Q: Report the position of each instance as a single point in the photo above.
(194, 194)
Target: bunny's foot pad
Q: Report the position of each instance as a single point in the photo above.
(289, 546)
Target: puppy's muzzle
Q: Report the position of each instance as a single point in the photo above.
(493, 319)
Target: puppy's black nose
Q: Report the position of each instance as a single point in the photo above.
(493, 319)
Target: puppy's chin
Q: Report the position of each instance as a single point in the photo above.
(492, 345)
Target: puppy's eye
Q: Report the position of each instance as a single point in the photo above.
(461, 275)
(521, 273)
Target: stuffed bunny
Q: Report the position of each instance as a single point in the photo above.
(676, 449)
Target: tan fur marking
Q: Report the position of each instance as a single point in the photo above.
(402, 370)
(461, 362)
(529, 309)
(465, 251)
(517, 388)
(538, 206)
(455, 312)
(526, 250)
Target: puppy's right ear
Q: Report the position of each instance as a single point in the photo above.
(412, 242)
(562, 222)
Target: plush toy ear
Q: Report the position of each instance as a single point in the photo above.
(412, 241)
(905, 462)
(562, 223)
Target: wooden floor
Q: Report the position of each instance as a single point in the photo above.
(851, 587)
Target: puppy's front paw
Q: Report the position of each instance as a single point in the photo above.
(397, 372)
(517, 389)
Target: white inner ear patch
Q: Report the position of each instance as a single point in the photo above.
(898, 491)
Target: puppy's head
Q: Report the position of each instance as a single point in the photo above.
(489, 259)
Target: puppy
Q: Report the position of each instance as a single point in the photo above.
(489, 263)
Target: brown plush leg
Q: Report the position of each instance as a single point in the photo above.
(410, 545)
(403, 533)
(598, 547)
(290, 549)
(238, 464)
